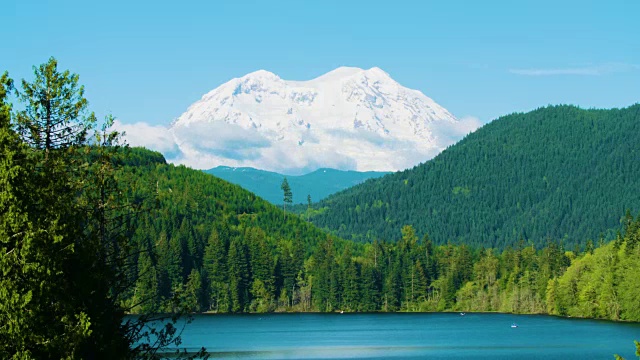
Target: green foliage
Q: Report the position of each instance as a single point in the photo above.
(251, 269)
(249, 257)
(287, 195)
(57, 294)
(55, 114)
(64, 226)
(558, 172)
(618, 357)
(605, 284)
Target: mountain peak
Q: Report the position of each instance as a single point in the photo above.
(338, 73)
(348, 119)
(376, 71)
(260, 74)
(347, 72)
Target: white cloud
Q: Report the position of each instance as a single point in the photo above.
(156, 138)
(448, 133)
(591, 70)
(293, 160)
(207, 145)
(222, 139)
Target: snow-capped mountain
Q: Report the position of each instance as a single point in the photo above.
(349, 118)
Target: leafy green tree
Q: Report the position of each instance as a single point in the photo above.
(350, 281)
(370, 288)
(193, 293)
(324, 289)
(32, 255)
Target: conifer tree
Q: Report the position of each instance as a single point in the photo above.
(238, 275)
(147, 293)
(287, 195)
(55, 114)
(72, 311)
(66, 267)
(215, 263)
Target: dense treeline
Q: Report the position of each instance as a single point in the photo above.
(218, 248)
(558, 172)
(210, 244)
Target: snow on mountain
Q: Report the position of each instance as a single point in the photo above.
(349, 118)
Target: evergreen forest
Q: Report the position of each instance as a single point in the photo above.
(558, 172)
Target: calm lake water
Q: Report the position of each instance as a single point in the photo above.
(408, 336)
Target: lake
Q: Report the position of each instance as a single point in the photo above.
(408, 336)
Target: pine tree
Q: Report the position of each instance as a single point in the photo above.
(350, 283)
(67, 278)
(55, 115)
(147, 293)
(66, 267)
(193, 296)
(287, 195)
(32, 255)
(215, 263)
(238, 275)
(370, 288)
(325, 280)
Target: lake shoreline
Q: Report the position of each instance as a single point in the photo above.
(414, 312)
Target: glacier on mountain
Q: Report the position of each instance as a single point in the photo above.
(348, 118)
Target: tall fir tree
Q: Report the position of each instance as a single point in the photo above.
(215, 264)
(287, 195)
(68, 278)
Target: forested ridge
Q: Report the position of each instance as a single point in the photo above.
(219, 248)
(212, 243)
(557, 172)
(225, 260)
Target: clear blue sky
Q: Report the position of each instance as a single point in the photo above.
(148, 61)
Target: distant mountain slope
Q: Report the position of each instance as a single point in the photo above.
(558, 172)
(319, 184)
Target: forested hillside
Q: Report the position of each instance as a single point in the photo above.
(412, 274)
(210, 243)
(558, 172)
(211, 246)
